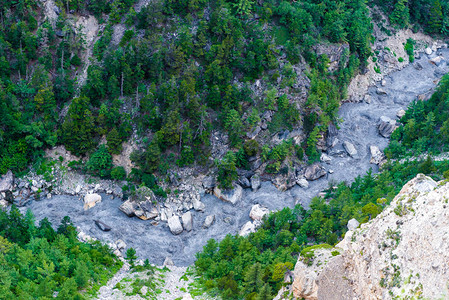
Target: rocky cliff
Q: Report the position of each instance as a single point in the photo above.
(401, 254)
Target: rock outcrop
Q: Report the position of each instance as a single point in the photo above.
(7, 182)
(402, 253)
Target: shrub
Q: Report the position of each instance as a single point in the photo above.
(251, 147)
(118, 173)
(100, 163)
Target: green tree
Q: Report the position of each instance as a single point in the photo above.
(227, 171)
(78, 130)
(100, 163)
(265, 293)
(254, 278)
(400, 14)
(131, 255)
(435, 22)
(114, 141)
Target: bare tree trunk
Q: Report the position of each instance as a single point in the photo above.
(121, 86)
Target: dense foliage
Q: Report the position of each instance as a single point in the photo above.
(432, 15)
(37, 262)
(425, 126)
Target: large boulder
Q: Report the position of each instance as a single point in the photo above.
(258, 212)
(209, 221)
(7, 182)
(325, 158)
(284, 182)
(127, 207)
(142, 204)
(400, 113)
(231, 196)
(175, 225)
(102, 225)
(377, 157)
(302, 182)
(90, 200)
(187, 221)
(350, 149)
(314, 172)
(386, 126)
(248, 228)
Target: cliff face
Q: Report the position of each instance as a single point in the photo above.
(402, 253)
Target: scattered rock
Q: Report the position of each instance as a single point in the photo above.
(428, 51)
(187, 221)
(102, 225)
(121, 245)
(248, 228)
(231, 196)
(353, 224)
(350, 149)
(325, 158)
(209, 183)
(377, 157)
(438, 61)
(255, 182)
(383, 82)
(90, 200)
(418, 66)
(253, 133)
(175, 225)
(386, 126)
(400, 113)
(209, 221)
(7, 182)
(315, 171)
(381, 92)
(198, 205)
(258, 212)
(244, 182)
(367, 98)
(168, 262)
(302, 182)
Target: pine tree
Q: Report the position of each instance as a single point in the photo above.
(400, 14)
(265, 293)
(435, 17)
(253, 278)
(114, 141)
